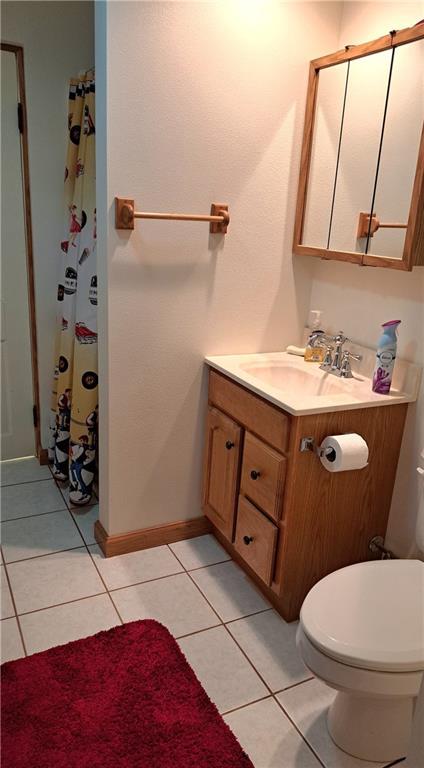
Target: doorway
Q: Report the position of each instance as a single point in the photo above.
(20, 431)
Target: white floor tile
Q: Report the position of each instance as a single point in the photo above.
(85, 517)
(30, 499)
(7, 609)
(39, 535)
(53, 579)
(135, 567)
(307, 705)
(174, 601)
(55, 626)
(226, 675)
(229, 591)
(200, 551)
(269, 738)
(270, 643)
(10, 641)
(23, 471)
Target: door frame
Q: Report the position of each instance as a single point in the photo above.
(18, 51)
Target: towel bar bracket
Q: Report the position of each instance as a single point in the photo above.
(125, 214)
(364, 225)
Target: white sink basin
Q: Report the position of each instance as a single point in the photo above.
(301, 388)
(290, 378)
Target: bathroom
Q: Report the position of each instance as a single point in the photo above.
(195, 103)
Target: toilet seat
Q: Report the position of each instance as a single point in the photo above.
(369, 615)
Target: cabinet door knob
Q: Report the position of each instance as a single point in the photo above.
(229, 445)
(255, 474)
(247, 539)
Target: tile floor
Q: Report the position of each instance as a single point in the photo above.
(56, 586)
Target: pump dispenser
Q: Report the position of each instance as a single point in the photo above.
(314, 354)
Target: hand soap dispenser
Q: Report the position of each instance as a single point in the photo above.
(314, 354)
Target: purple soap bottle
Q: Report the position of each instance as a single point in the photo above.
(385, 358)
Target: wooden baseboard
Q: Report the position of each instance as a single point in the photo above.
(43, 456)
(145, 538)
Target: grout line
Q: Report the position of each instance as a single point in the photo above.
(16, 612)
(26, 482)
(46, 554)
(201, 567)
(198, 588)
(299, 732)
(293, 685)
(229, 633)
(197, 631)
(39, 514)
(58, 605)
(243, 706)
(147, 581)
(98, 571)
(271, 694)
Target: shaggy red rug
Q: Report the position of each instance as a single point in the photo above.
(125, 697)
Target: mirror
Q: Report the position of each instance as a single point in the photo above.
(400, 148)
(363, 151)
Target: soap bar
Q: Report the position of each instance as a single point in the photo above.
(292, 350)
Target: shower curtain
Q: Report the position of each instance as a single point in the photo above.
(74, 407)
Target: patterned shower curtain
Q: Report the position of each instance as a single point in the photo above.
(74, 416)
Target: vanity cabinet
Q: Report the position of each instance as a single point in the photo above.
(280, 514)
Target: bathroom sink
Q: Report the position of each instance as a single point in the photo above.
(289, 378)
(301, 388)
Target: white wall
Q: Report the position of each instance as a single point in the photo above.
(58, 41)
(204, 102)
(359, 299)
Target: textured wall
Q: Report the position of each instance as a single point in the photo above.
(204, 102)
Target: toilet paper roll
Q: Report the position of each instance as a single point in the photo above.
(339, 453)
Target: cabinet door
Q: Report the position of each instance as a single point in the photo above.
(221, 471)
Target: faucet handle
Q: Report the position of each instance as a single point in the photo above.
(340, 338)
(345, 369)
(351, 355)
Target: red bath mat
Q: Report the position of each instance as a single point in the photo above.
(123, 698)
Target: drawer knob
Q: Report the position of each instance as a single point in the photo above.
(229, 445)
(255, 474)
(247, 539)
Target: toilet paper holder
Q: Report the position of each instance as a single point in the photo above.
(308, 444)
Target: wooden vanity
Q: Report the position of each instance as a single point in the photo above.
(282, 516)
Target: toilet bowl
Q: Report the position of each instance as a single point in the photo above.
(361, 632)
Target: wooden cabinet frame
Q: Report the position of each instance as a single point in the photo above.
(413, 253)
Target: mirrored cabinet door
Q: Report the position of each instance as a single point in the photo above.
(399, 152)
(360, 138)
(325, 147)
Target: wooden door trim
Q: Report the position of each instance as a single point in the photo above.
(19, 54)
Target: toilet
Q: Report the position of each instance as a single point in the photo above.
(361, 632)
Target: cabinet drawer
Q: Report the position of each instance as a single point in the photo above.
(256, 539)
(256, 414)
(263, 475)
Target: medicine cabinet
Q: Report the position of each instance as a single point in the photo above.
(361, 184)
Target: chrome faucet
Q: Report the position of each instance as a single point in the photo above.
(339, 362)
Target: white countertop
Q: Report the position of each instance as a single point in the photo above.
(302, 388)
